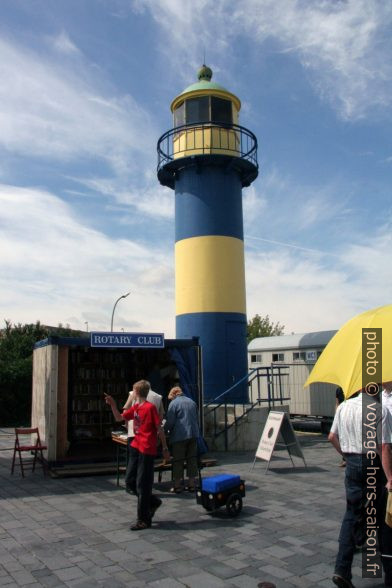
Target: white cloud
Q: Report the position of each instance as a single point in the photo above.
(302, 291)
(254, 205)
(318, 206)
(149, 199)
(49, 110)
(190, 29)
(60, 108)
(54, 267)
(371, 257)
(63, 44)
(343, 46)
(57, 269)
(280, 209)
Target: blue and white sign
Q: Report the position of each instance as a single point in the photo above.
(103, 339)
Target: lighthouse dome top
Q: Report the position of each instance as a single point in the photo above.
(205, 86)
(204, 73)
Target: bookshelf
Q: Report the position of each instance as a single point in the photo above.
(91, 373)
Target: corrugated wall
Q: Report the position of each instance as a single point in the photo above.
(316, 400)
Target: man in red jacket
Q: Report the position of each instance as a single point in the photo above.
(147, 428)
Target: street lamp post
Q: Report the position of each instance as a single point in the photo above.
(114, 308)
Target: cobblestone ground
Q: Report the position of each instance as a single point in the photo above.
(75, 532)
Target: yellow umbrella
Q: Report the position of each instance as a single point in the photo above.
(341, 361)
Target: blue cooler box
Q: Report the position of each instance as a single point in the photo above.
(220, 483)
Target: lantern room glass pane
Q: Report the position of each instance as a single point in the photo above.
(221, 110)
(197, 110)
(179, 115)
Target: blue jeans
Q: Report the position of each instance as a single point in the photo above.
(355, 483)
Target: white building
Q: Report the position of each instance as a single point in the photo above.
(298, 353)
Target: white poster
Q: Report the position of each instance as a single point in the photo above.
(269, 436)
(278, 422)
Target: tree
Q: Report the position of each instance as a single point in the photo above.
(263, 327)
(16, 368)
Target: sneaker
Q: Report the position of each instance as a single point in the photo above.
(154, 509)
(140, 526)
(342, 582)
(176, 490)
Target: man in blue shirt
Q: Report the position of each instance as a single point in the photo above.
(183, 428)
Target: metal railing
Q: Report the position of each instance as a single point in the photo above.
(205, 138)
(273, 375)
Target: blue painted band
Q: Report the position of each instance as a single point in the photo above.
(224, 351)
(208, 201)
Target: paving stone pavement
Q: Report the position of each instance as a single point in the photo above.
(74, 532)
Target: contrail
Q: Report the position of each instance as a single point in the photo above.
(288, 245)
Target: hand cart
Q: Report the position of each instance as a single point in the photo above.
(222, 490)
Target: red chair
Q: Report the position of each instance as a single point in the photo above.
(24, 443)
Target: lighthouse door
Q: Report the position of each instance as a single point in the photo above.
(237, 361)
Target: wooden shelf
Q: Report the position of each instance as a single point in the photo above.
(91, 373)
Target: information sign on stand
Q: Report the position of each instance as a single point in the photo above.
(278, 422)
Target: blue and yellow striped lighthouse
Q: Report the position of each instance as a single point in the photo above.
(207, 158)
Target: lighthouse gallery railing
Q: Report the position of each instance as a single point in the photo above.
(205, 139)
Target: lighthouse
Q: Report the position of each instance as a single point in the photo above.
(207, 158)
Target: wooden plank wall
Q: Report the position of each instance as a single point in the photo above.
(44, 396)
(62, 403)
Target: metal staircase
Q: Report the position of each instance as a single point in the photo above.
(265, 389)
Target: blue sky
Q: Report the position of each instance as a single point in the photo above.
(85, 94)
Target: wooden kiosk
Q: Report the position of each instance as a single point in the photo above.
(69, 379)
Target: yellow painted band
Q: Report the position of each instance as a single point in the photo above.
(210, 275)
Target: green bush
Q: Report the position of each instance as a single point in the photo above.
(16, 369)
